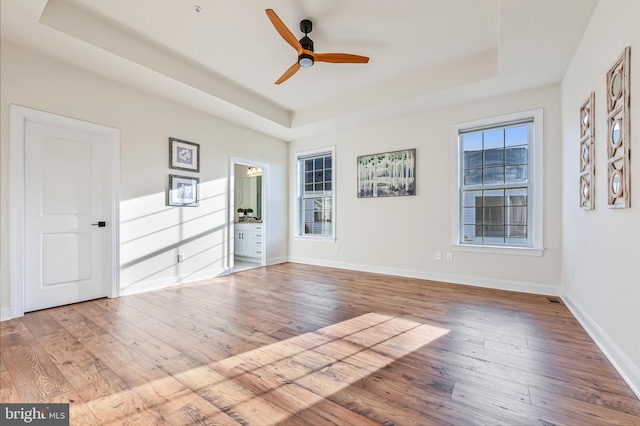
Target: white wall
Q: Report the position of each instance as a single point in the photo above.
(151, 233)
(401, 235)
(601, 273)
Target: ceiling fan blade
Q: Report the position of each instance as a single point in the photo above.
(284, 31)
(340, 58)
(288, 73)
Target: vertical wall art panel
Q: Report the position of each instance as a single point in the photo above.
(618, 134)
(587, 160)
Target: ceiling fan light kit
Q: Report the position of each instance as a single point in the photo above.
(304, 47)
(305, 60)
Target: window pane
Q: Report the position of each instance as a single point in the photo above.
(516, 235)
(472, 215)
(307, 211)
(516, 197)
(308, 177)
(317, 216)
(516, 241)
(516, 215)
(472, 198)
(517, 136)
(494, 234)
(327, 186)
(493, 175)
(308, 164)
(517, 155)
(494, 157)
(327, 175)
(471, 141)
(473, 177)
(494, 139)
(493, 215)
(313, 228)
(308, 187)
(327, 162)
(516, 231)
(472, 159)
(319, 163)
(516, 174)
(318, 176)
(472, 234)
(494, 198)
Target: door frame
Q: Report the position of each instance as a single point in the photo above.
(18, 116)
(233, 161)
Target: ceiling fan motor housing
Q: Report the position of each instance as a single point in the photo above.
(305, 60)
(306, 43)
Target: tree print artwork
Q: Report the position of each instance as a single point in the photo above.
(390, 174)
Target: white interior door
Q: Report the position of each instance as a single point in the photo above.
(65, 199)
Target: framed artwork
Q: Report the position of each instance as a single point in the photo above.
(183, 191)
(390, 174)
(618, 133)
(184, 155)
(587, 152)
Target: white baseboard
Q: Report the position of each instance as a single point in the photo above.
(277, 260)
(519, 286)
(5, 313)
(629, 372)
(161, 283)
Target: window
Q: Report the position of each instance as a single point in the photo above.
(316, 207)
(498, 192)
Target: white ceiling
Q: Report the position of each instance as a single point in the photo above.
(224, 60)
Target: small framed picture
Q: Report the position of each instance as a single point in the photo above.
(184, 155)
(183, 191)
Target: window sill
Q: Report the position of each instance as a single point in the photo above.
(315, 239)
(518, 251)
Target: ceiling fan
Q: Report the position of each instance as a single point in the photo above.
(306, 56)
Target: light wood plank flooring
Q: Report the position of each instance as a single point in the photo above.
(301, 345)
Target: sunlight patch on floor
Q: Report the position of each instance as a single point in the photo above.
(271, 383)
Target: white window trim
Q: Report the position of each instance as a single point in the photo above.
(536, 175)
(298, 235)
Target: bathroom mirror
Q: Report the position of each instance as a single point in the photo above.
(247, 192)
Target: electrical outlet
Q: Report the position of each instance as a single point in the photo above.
(438, 255)
(180, 258)
(449, 256)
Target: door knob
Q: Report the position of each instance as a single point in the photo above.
(99, 224)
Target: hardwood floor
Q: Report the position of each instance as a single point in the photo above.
(301, 345)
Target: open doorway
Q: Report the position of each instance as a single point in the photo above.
(248, 206)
